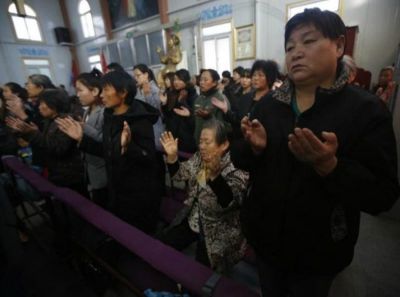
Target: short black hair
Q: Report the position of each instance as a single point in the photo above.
(91, 79)
(55, 99)
(269, 68)
(214, 74)
(115, 67)
(121, 82)
(221, 133)
(226, 74)
(145, 69)
(16, 89)
(328, 23)
(246, 73)
(184, 76)
(239, 70)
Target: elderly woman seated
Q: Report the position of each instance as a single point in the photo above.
(215, 190)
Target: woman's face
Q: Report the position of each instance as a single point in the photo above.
(245, 82)
(46, 111)
(7, 93)
(140, 77)
(207, 82)
(111, 98)
(86, 96)
(33, 90)
(311, 58)
(178, 83)
(167, 82)
(259, 80)
(208, 147)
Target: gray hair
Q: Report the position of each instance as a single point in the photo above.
(221, 134)
(42, 80)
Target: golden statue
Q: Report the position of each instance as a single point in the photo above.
(170, 59)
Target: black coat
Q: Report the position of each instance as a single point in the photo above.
(134, 190)
(293, 217)
(243, 106)
(60, 155)
(182, 127)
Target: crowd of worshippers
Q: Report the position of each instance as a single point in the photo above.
(283, 163)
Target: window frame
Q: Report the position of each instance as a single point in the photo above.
(95, 64)
(83, 16)
(35, 18)
(216, 37)
(23, 58)
(308, 2)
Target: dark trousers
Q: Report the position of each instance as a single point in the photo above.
(181, 236)
(276, 282)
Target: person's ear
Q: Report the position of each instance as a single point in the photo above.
(340, 43)
(123, 94)
(95, 92)
(224, 147)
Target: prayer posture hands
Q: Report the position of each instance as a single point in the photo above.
(170, 146)
(221, 104)
(182, 111)
(255, 134)
(21, 126)
(70, 127)
(213, 166)
(309, 149)
(126, 137)
(74, 130)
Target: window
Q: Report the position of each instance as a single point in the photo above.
(293, 9)
(86, 19)
(26, 27)
(217, 49)
(94, 62)
(37, 66)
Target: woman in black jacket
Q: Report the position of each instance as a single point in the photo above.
(263, 75)
(60, 154)
(178, 111)
(319, 151)
(128, 149)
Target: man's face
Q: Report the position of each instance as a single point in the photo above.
(311, 58)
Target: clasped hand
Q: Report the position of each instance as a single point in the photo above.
(303, 143)
(308, 148)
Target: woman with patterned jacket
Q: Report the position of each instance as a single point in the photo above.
(215, 191)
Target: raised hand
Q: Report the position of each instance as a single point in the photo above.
(16, 106)
(170, 146)
(221, 104)
(70, 127)
(182, 111)
(126, 137)
(20, 126)
(306, 147)
(255, 134)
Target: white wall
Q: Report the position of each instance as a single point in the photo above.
(379, 34)
(49, 15)
(377, 41)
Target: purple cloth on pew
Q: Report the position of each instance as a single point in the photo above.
(39, 182)
(189, 273)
